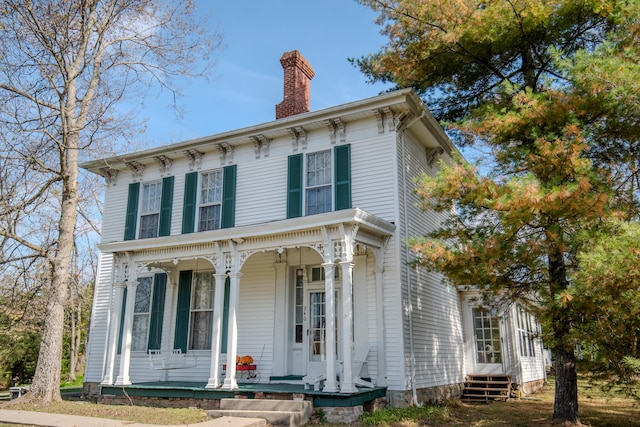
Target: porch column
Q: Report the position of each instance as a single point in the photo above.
(112, 344)
(125, 353)
(330, 385)
(232, 338)
(216, 331)
(347, 384)
(280, 354)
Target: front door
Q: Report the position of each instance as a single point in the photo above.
(487, 343)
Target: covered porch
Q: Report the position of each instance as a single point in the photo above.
(269, 297)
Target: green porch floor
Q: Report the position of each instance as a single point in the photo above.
(197, 390)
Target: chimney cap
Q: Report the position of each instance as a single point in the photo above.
(295, 59)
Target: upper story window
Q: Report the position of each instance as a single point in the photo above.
(210, 208)
(319, 182)
(209, 200)
(150, 210)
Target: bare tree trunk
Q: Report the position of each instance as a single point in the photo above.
(64, 68)
(46, 381)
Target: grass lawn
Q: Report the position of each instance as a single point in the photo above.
(597, 409)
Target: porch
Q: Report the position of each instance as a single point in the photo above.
(172, 393)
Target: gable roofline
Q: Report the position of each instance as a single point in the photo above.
(399, 101)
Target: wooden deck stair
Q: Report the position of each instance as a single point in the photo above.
(484, 388)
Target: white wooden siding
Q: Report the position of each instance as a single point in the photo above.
(261, 191)
(372, 185)
(256, 311)
(115, 210)
(436, 315)
(96, 348)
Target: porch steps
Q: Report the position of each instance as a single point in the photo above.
(484, 388)
(276, 412)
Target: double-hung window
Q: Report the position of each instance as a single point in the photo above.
(210, 207)
(209, 200)
(150, 210)
(141, 314)
(201, 322)
(319, 182)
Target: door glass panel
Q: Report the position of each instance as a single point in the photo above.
(487, 332)
(317, 326)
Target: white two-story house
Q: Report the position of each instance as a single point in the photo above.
(285, 241)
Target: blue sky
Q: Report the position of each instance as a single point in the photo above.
(247, 81)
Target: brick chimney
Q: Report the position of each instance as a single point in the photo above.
(297, 83)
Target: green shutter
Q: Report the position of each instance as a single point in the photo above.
(165, 206)
(294, 186)
(157, 311)
(229, 197)
(132, 211)
(189, 207)
(225, 315)
(122, 312)
(182, 312)
(342, 177)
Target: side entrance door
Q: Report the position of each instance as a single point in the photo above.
(484, 329)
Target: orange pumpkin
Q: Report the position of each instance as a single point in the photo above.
(246, 360)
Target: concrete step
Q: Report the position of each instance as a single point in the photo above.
(280, 412)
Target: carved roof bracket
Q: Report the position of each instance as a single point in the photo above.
(137, 169)
(195, 158)
(165, 164)
(298, 137)
(433, 155)
(337, 130)
(110, 175)
(260, 145)
(226, 152)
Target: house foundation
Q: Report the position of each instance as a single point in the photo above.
(438, 394)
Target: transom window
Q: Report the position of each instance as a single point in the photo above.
(150, 210)
(201, 322)
(141, 314)
(210, 208)
(318, 183)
